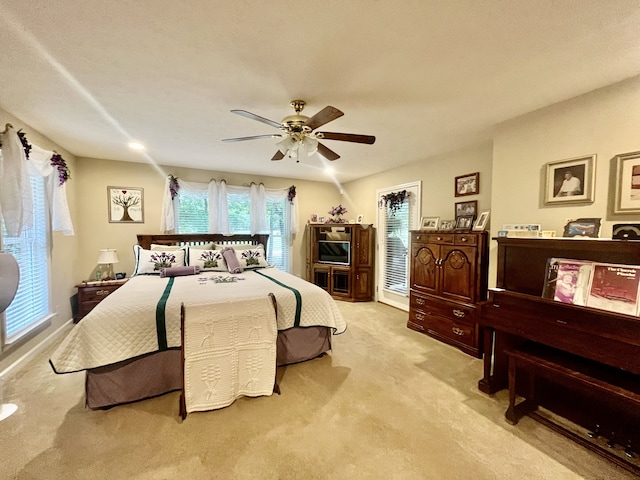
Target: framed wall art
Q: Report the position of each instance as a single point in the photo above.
(125, 204)
(570, 181)
(468, 184)
(466, 208)
(627, 183)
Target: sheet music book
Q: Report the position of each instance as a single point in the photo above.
(615, 288)
(572, 281)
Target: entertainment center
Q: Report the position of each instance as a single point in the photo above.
(340, 259)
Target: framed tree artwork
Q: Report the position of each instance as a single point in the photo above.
(125, 204)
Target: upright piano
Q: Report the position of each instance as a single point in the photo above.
(589, 370)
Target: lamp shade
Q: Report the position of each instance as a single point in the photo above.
(108, 255)
(9, 279)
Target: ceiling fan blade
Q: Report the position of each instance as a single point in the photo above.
(327, 152)
(242, 139)
(278, 155)
(347, 137)
(325, 115)
(253, 116)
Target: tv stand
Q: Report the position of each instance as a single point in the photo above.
(352, 282)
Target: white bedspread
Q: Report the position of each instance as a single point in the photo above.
(123, 325)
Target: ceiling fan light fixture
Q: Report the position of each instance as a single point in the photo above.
(310, 144)
(286, 144)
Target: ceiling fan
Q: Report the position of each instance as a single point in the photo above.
(298, 132)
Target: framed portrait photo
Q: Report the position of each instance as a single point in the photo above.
(481, 223)
(429, 223)
(447, 225)
(466, 208)
(464, 222)
(570, 181)
(125, 204)
(467, 184)
(627, 183)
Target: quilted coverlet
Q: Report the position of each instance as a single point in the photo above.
(143, 316)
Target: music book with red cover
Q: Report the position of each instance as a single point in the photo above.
(615, 288)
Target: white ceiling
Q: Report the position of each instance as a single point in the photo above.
(424, 76)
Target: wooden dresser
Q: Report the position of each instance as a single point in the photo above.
(448, 279)
(91, 294)
(580, 364)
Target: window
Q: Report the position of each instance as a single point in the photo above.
(192, 216)
(31, 306)
(394, 243)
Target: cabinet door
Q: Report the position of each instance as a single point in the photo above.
(322, 277)
(424, 271)
(362, 242)
(362, 284)
(340, 282)
(457, 272)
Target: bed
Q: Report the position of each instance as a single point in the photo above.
(129, 344)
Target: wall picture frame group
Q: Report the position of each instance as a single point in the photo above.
(467, 184)
(126, 204)
(627, 195)
(570, 180)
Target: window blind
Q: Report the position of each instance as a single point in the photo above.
(31, 305)
(396, 232)
(192, 212)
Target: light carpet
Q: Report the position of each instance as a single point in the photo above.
(386, 403)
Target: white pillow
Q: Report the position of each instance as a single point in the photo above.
(156, 246)
(151, 261)
(206, 259)
(239, 246)
(251, 257)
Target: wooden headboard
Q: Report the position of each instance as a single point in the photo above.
(192, 239)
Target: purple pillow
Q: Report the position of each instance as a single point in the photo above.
(233, 265)
(179, 271)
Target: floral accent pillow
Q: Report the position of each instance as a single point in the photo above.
(149, 262)
(207, 260)
(252, 257)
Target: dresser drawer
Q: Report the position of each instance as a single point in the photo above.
(462, 239)
(456, 312)
(453, 331)
(96, 294)
(442, 238)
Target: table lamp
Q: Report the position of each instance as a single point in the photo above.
(106, 259)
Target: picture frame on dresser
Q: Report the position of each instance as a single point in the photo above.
(481, 223)
(464, 222)
(429, 223)
(570, 180)
(627, 194)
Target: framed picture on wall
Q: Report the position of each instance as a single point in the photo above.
(125, 204)
(627, 183)
(570, 181)
(466, 208)
(468, 184)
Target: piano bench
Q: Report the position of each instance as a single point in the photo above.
(588, 375)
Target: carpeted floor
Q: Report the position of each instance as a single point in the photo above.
(387, 403)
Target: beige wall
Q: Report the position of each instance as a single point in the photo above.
(65, 248)
(603, 122)
(96, 232)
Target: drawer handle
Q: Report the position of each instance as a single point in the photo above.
(458, 331)
(420, 301)
(463, 239)
(102, 293)
(439, 238)
(420, 316)
(458, 313)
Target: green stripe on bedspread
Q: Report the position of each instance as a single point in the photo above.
(161, 323)
(296, 322)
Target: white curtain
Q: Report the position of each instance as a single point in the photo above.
(16, 203)
(218, 207)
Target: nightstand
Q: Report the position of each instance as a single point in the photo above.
(91, 294)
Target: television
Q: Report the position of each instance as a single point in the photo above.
(334, 251)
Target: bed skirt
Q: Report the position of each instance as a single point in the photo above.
(161, 372)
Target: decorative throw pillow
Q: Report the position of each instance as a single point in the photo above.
(252, 257)
(207, 260)
(239, 246)
(149, 262)
(233, 265)
(155, 246)
(179, 271)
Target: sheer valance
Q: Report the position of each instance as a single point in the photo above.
(16, 203)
